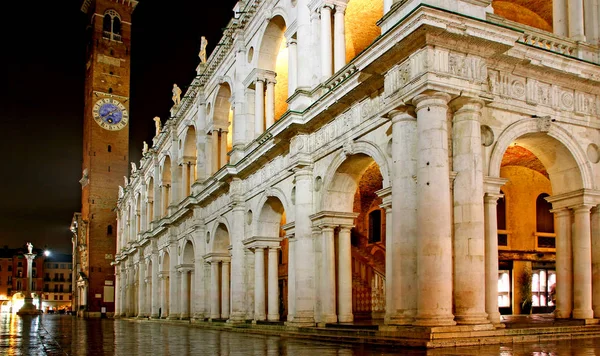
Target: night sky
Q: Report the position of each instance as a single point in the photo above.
(42, 57)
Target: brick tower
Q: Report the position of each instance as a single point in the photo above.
(105, 150)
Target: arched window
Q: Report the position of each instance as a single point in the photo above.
(111, 26)
(543, 217)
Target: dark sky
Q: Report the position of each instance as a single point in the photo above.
(42, 56)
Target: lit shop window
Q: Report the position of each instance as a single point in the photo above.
(543, 283)
(503, 288)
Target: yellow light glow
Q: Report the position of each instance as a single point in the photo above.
(361, 25)
(281, 87)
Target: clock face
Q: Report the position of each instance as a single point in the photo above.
(110, 114)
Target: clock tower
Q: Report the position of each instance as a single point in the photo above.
(105, 151)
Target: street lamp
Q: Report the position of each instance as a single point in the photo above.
(46, 253)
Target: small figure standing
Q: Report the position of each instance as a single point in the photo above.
(29, 247)
(157, 125)
(133, 168)
(176, 94)
(202, 54)
(145, 148)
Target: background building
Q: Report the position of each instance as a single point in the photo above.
(13, 277)
(58, 286)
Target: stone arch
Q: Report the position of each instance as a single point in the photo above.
(560, 153)
(365, 152)
(165, 261)
(187, 252)
(273, 193)
(268, 222)
(220, 239)
(273, 57)
(222, 106)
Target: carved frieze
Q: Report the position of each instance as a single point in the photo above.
(538, 92)
(436, 60)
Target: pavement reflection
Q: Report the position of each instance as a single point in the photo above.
(67, 335)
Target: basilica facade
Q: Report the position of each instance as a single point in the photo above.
(424, 163)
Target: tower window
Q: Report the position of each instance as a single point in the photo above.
(544, 218)
(109, 230)
(111, 26)
(109, 148)
(110, 90)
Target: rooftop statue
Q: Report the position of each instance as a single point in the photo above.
(176, 94)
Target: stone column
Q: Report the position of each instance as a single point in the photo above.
(575, 12)
(174, 288)
(185, 294)
(208, 294)
(595, 226)
(291, 278)
(259, 283)
(328, 312)
(148, 299)
(225, 290)
(165, 199)
(564, 264)
(117, 293)
(273, 285)
(238, 265)
(344, 276)
(164, 292)
(339, 37)
(326, 45)
(304, 50)
(434, 249)
(259, 107)
(469, 232)
(143, 209)
(155, 287)
(401, 247)
(192, 176)
(491, 247)
(215, 151)
(157, 205)
(304, 252)
(124, 301)
(559, 17)
(270, 106)
(185, 179)
(582, 264)
(141, 289)
(201, 143)
(215, 313)
(292, 66)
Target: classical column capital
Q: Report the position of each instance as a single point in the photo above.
(430, 99)
(402, 113)
(466, 104)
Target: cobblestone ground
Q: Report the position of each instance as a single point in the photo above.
(66, 335)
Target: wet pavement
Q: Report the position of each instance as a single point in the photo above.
(67, 335)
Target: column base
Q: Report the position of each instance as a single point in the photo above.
(237, 318)
(346, 318)
(300, 321)
(562, 314)
(154, 316)
(329, 318)
(494, 318)
(172, 317)
(399, 320)
(141, 316)
(435, 320)
(583, 314)
(259, 318)
(273, 317)
(471, 319)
